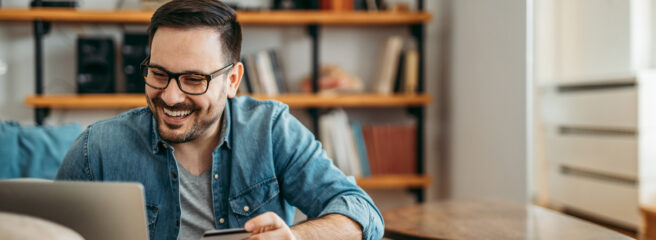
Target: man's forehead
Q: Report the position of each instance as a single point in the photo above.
(178, 49)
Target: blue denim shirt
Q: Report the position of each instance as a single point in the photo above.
(266, 161)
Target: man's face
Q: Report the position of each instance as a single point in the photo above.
(182, 117)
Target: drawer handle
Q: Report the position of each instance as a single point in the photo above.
(567, 130)
(565, 170)
(610, 84)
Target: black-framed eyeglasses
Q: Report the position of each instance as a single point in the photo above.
(191, 83)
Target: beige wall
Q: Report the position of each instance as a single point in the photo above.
(488, 103)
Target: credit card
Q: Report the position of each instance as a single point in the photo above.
(226, 234)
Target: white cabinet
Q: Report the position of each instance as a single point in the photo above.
(591, 150)
(592, 120)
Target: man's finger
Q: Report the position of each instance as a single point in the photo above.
(264, 222)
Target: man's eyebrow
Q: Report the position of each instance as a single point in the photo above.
(186, 71)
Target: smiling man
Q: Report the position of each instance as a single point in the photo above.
(208, 159)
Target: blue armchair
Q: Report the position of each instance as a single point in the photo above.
(34, 151)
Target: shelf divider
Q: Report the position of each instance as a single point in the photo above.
(394, 181)
(304, 17)
(295, 100)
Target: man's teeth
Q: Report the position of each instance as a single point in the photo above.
(176, 113)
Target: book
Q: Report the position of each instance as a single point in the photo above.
(351, 147)
(411, 71)
(253, 79)
(277, 71)
(265, 73)
(359, 5)
(325, 4)
(336, 5)
(372, 156)
(341, 5)
(371, 5)
(244, 86)
(398, 80)
(340, 144)
(325, 136)
(342, 141)
(388, 65)
(362, 148)
(338, 147)
(391, 149)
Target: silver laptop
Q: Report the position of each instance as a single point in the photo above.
(95, 210)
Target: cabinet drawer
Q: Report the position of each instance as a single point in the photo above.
(615, 155)
(609, 108)
(615, 202)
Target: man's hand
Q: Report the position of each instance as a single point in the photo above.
(332, 226)
(269, 226)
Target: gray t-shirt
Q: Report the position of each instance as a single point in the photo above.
(196, 199)
(196, 204)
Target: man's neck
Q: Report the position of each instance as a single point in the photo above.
(196, 155)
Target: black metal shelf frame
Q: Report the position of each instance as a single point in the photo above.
(417, 31)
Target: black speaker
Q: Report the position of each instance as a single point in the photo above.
(135, 50)
(295, 4)
(54, 3)
(95, 65)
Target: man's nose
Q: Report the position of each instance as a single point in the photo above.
(172, 94)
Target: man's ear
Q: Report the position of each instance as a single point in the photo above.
(234, 79)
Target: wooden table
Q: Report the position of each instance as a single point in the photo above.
(488, 219)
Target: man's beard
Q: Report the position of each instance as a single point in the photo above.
(198, 127)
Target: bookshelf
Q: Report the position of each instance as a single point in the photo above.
(313, 20)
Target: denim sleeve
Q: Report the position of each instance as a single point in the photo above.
(75, 166)
(310, 181)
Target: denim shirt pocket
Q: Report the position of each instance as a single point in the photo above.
(252, 201)
(152, 212)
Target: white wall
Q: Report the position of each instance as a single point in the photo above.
(488, 101)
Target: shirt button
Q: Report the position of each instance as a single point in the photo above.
(221, 220)
(246, 208)
(174, 175)
(216, 176)
(177, 223)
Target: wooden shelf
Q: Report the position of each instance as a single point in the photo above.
(87, 101)
(244, 17)
(303, 100)
(300, 100)
(394, 181)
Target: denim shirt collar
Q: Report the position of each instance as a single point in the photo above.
(157, 142)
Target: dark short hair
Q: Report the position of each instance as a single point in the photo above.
(201, 13)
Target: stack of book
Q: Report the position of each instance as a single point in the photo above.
(329, 5)
(398, 70)
(362, 151)
(262, 74)
(392, 149)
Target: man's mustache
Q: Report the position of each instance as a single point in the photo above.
(158, 102)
